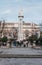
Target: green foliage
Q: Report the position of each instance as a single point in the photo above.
(33, 38)
(0, 39)
(40, 38)
(39, 41)
(4, 39)
(11, 39)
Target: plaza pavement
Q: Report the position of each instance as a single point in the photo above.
(20, 61)
(20, 53)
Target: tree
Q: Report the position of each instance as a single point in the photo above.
(4, 39)
(40, 25)
(0, 41)
(32, 38)
(40, 41)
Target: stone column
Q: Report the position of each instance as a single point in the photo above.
(20, 26)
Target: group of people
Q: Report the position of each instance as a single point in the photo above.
(15, 43)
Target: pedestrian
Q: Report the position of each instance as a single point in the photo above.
(24, 42)
(27, 43)
(10, 43)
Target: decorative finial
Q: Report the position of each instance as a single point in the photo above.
(21, 13)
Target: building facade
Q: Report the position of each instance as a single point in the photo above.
(28, 29)
(20, 30)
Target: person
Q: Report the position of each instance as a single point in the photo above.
(10, 43)
(17, 43)
(14, 42)
(24, 42)
(0, 44)
(27, 43)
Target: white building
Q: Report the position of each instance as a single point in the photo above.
(28, 28)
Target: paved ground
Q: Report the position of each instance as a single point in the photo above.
(20, 61)
(20, 51)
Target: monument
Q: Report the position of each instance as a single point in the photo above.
(20, 25)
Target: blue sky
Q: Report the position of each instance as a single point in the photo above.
(32, 10)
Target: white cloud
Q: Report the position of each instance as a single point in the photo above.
(18, 0)
(8, 11)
